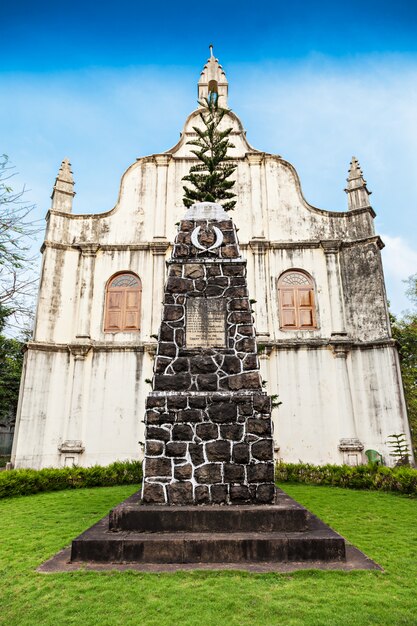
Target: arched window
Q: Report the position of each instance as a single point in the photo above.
(296, 299)
(123, 300)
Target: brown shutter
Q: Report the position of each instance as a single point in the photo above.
(132, 309)
(115, 301)
(288, 308)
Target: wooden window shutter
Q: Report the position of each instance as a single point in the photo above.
(123, 302)
(296, 300)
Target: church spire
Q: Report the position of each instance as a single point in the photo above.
(63, 191)
(213, 79)
(358, 193)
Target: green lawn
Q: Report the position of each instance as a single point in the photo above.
(33, 528)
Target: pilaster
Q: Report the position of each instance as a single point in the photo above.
(331, 250)
(85, 296)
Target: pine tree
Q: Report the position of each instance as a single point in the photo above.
(210, 178)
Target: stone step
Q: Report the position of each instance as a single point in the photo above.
(101, 546)
(216, 519)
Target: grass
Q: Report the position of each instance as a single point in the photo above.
(33, 528)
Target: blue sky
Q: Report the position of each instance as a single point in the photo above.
(315, 82)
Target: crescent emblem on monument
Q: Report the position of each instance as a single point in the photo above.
(197, 244)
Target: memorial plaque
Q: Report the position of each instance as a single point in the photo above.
(205, 323)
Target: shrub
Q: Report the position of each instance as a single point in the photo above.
(401, 479)
(22, 482)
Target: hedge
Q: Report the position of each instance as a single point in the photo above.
(22, 482)
(399, 479)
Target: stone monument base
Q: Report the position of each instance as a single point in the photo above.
(150, 534)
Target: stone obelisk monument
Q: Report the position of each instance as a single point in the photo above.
(208, 420)
(209, 431)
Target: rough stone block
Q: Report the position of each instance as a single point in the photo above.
(176, 402)
(202, 363)
(207, 382)
(158, 467)
(152, 417)
(166, 333)
(219, 494)
(196, 451)
(260, 472)
(154, 432)
(235, 269)
(233, 432)
(202, 494)
(197, 402)
(223, 412)
(262, 403)
(234, 473)
(166, 417)
(190, 415)
(153, 493)
(209, 473)
(155, 401)
(239, 304)
(161, 363)
(173, 312)
(167, 349)
(180, 364)
(265, 493)
(183, 472)
(154, 448)
(248, 380)
(250, 362)
(182, 432)
(259, 426)
(213, 270)
(180, 493)
(245, 407)
(263, 450)
(207, 431)
(178, 285)
(239, 493)
(179, 337)
(177, 382)
(231, 364)
(214, 291)
(240, 453)
(218, 450)
(239, 317)
(176, 448)
(193, 270)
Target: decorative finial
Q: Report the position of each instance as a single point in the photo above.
(211, 50)
(358, 193)
(63, 191)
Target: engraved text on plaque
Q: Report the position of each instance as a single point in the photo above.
(205, 323)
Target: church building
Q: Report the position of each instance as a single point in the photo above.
(319, 304)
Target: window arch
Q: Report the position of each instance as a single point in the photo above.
(296, 300)
(123, 302)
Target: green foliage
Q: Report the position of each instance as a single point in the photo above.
(11, 360)
(16, 231)
(400, 479)
(210, 178)
(275, 403)
(404, 331)
(22, 482)
(400, 450)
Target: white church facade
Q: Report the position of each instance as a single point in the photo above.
(320, 310)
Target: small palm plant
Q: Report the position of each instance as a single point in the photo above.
(400, 450)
